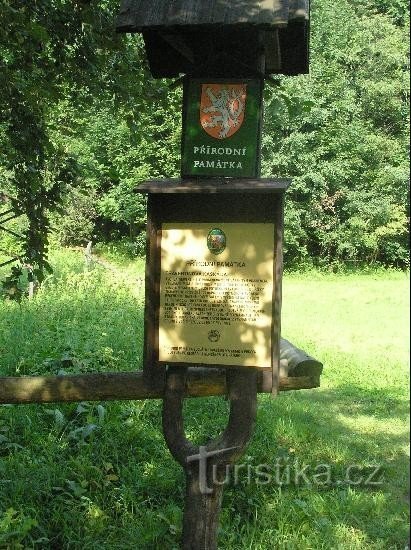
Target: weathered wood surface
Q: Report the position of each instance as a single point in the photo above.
(298, 371)
(124, 386)
(277, 296)
(295, 362)
(153, 377)
(215, 185)
(136, 15)
(200, 464)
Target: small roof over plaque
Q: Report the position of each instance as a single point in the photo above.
(220, 37)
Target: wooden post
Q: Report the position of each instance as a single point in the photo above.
(225, 62)
(88, 256)
(193, 209)
(31, 290)
(205, 465)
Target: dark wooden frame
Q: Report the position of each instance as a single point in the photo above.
(196, 201)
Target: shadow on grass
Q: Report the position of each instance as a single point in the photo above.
(358, 433)
(296, 430)
(144, 498)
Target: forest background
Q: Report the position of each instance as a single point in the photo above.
(82, 123)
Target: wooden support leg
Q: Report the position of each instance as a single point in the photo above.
(201, 513)
(205, 466)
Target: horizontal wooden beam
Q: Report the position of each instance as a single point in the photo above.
(10, 232)
(122, 386)
(7, 262)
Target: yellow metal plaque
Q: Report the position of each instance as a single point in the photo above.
(216, 294)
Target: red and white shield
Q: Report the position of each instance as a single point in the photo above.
(222, 109)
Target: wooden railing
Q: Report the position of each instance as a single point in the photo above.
(297, 371)
(6, 216)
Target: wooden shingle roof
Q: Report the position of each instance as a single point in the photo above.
(220, 38)
(137, 15)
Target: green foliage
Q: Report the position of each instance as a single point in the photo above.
(117, 145)
(15, 528)
(9, 245)
(341, 134)
(397, 10)
(36, 50)
(124, 249)
(76, 225)
(57, 58)
(117, 155)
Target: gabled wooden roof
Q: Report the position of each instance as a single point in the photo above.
(220, 38)
(139, 15)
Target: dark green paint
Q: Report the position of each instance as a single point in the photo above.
(246, 139)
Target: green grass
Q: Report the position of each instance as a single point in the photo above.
(100, 476)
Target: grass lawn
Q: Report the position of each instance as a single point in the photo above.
(99, 476)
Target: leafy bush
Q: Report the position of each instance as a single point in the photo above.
(124, 248)
(75, 225)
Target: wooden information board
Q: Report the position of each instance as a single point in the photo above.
(214, 271)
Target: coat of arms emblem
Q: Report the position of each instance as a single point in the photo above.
(216, 241)
(222, 109)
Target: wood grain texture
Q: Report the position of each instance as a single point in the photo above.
(126, 386)
(299, 10)
(136, 15)
(154, 378)
(214, 185)
(297, 362)
(277, 290)
(203, 495)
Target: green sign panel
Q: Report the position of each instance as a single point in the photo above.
(221, 128)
